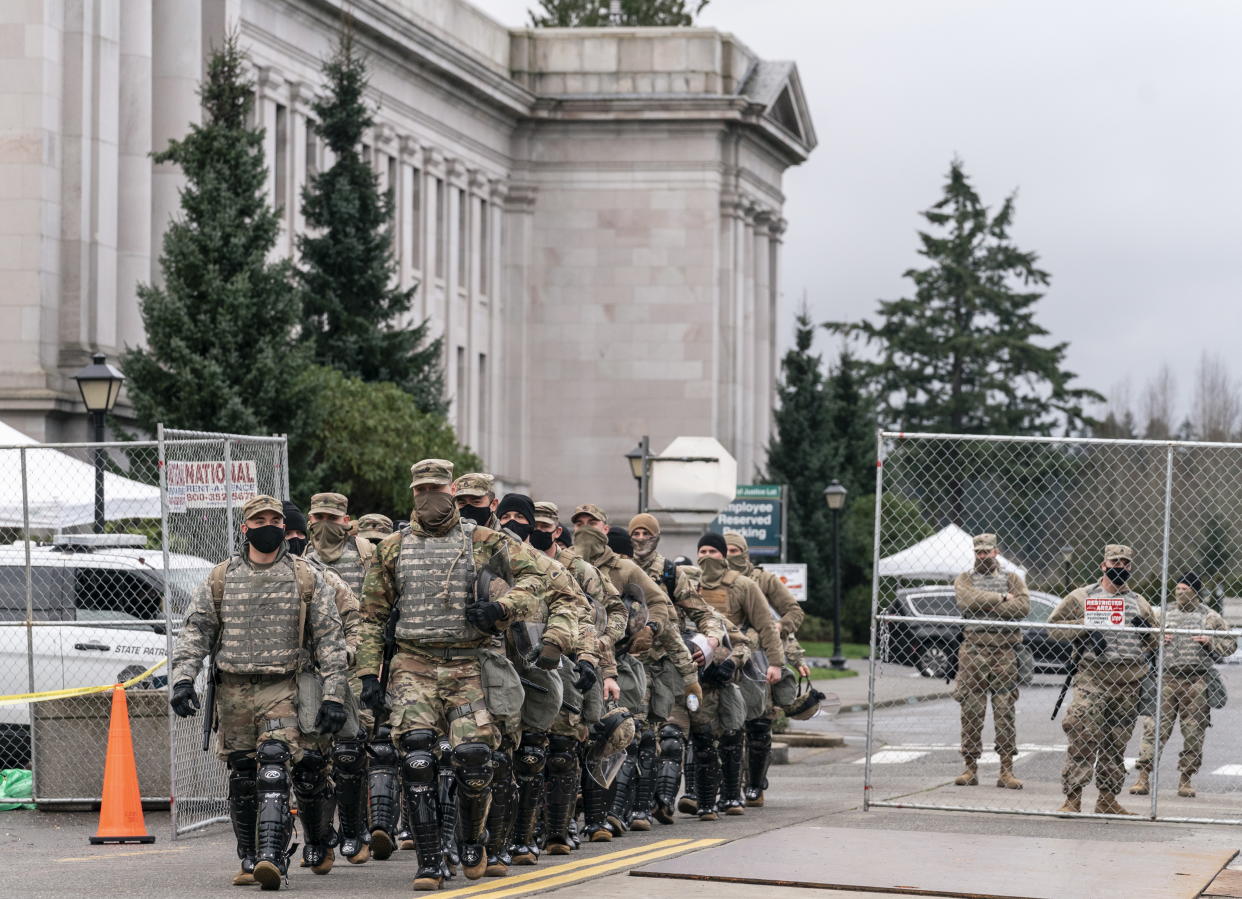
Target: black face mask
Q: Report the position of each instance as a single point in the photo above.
(541, 540)
(519, 529)
(295, 545)
(1117, 575)
(477, 514)
(266, 539)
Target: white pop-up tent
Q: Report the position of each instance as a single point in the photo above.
(61, 488)
(941, 557)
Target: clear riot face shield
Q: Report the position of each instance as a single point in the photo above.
(606, 751)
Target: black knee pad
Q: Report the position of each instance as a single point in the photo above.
(759, 729)
(704, 742)
(419, 740)
(731, 738)
(559, 743)
(502, 765)
(444, 749)
(473, 767)
(672, 740)
(349, 756)
(243, 761)
(383, 753)
(646, 739)
(273, 760)
(310, 774)
(529, 758)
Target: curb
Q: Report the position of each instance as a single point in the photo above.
(810, 740)
(890, 703)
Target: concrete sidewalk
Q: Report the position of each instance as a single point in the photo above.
(894, 685)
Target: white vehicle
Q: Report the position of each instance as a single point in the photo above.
(97, 604)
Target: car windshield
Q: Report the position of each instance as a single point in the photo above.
(942, 604)
(1040, 609)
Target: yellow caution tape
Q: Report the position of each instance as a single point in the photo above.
(80, 691)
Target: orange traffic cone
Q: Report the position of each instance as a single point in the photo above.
(120, 815)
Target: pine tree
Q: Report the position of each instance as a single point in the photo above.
(355, 317)
(596, 13)
(961, 355)
(220, 330)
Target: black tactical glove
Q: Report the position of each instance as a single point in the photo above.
(331, 717)
(184, 700)
(549, 658)
(372, 694)
(720, 673)
(587, 676)
(485, 615)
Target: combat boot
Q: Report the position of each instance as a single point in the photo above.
(759, 754)
(688, 804)
(730, 752)
(349, 774)
(473, 768)
(1073, 800)
(706, 775)
(1107, 804)
(418, 769)
(243, 811)
(275, 822)
(969, 777)
(1005, 779)
(528, 765)
(501, 816)
(561, 785)
(384, 793)
(1142, 786)
(1184, 788)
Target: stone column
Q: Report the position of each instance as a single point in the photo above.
(176, 68)
(761, 340)
(511, 318)
(134, 170)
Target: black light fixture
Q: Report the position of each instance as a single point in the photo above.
(834, 496)
(100, 385)
(637, 457)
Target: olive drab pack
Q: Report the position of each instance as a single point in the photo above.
(435, 581)
(251, 638)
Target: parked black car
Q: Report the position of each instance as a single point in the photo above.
(932, 648)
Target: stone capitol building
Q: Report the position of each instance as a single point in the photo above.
(593, 217)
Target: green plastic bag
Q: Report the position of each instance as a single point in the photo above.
(15, 783)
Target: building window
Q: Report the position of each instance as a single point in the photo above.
(485, 412)
(441, 230)
(416, 219)
(312, 150)
(485, 249)
(462, 393)
(280, 167)
(463, 241)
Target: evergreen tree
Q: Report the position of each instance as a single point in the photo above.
(961, 355)
(220, 330)
(596, 13)
(355, 317)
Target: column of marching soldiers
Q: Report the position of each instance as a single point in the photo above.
(472, 683)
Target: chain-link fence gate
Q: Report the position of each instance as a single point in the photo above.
(1117, 562)
(101, 548)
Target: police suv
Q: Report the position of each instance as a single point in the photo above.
(96, 602)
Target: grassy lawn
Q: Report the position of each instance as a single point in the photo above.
(824, 650)
(830, 674)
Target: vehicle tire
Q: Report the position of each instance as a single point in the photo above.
(133, 671)
(937, 660)
(14, 746)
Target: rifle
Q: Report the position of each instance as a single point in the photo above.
(1092, 640)
(390, 649)
(209, 710)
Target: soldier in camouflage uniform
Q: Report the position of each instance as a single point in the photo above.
(608, 622)
(789, 618)
(427, 573)
(475, 494)
(661, 762)
(987, 661)
(374, 527)
(740, 600)
(1188, 658)
(1113, 660)
(263, 615)
(349, 557)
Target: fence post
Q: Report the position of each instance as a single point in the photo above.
(162, 465)
(228, 494)
(875, 609)
(1164, 607)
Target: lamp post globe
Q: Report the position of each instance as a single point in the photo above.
(100, 385)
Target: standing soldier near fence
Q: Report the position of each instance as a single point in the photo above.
(987, 661)
(1188, 659)
(1112, 662)
(262, 615)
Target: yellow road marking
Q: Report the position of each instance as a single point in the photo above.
(93, 858)
(535, 874)
(561, 876)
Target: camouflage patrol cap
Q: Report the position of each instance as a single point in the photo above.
(589, 509)
(431, 471)
(262, 503)
(329, 504)
(1118, 551)
(476, 483)
(374, 526)
(985, 541)
(547, 512)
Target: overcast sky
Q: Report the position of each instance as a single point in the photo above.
(1119, 124)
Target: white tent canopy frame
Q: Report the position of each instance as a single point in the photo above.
(942, 556)
(61, 488)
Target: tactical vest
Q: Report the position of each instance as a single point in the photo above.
(435, 581)
(720, 598)
(1184, 652)
(260, 613)
(994, 582)
(1124, 644)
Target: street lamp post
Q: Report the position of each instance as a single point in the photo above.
(637, 457)
(834, 496)
(99, 384)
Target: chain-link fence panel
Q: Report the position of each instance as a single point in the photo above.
(207, 479)
(1065, 607)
